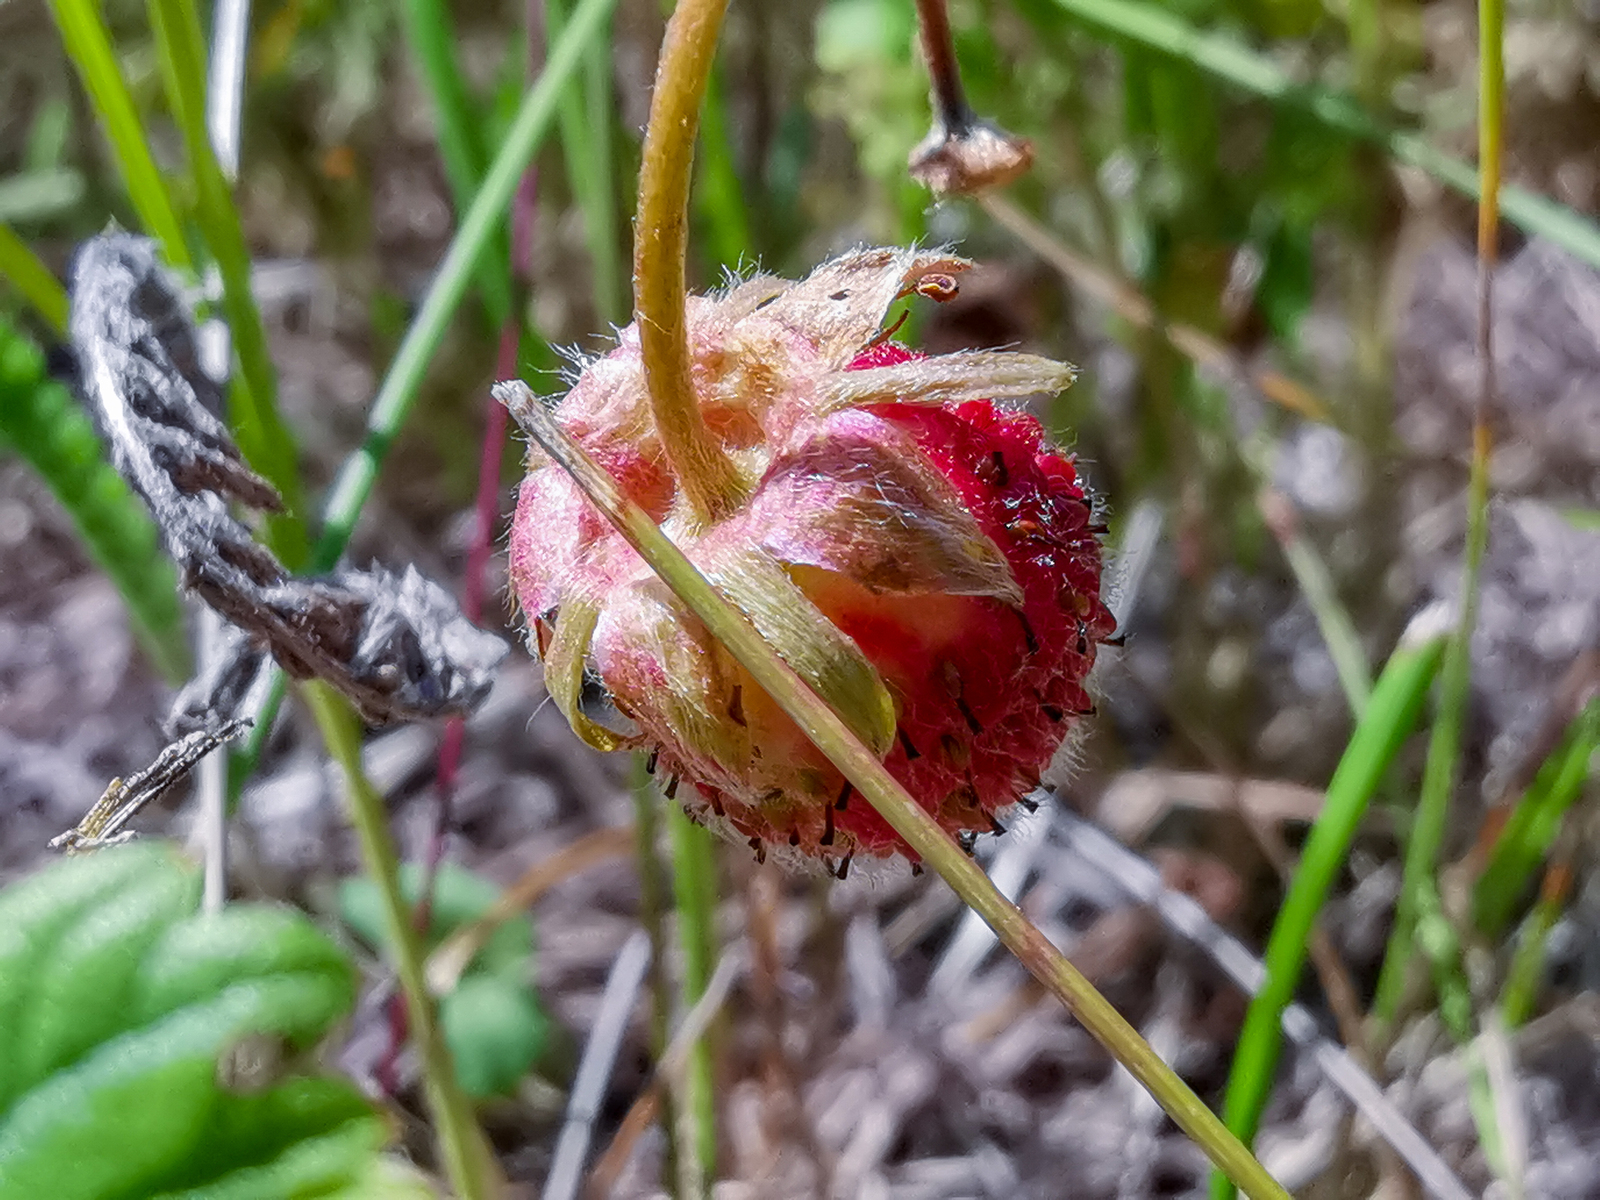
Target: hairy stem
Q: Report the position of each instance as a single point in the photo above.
(706, 475)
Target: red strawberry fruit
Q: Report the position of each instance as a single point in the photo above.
(922, 558)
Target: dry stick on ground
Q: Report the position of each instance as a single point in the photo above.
(1142, 881)
(105, 823)
(1200, 348)
(594, 1069)
(669, 1072)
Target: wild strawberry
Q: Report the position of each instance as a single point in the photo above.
(922, 558)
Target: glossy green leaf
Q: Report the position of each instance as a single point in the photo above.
(147, 1050)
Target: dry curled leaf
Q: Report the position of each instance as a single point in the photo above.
(395, 644)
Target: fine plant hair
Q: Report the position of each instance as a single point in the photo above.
(396, 644)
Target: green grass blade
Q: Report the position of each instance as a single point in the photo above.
(606, 246)
(1526, 972)
(486, 214)
(263, 438)
(42, 420)
(1444, 745)
(1227, 59)
(587, 147)
(33, 279)
(89, 45)
(1531, 831)
(1397, 701)
(429, 33)
(694, 887)
(1316, 584)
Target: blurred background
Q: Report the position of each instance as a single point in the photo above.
(1244, 223)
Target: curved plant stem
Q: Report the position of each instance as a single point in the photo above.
(661, 233)
(861, 767)
(461, 1148)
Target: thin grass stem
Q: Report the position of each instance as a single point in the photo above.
(1526, 972)
(719, 199)
(432, 39)
(694, 888)
(1418, 887)
(1532, 827)
(586, 143)
(462, 1150)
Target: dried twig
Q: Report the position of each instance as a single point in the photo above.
(669, 1074)
(396, 645)
(123, 799)
(1141, 881)
(962, 153)
(594, 1070)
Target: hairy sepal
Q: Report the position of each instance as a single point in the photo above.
(857, 497)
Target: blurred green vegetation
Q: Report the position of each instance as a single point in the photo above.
(1211, 177)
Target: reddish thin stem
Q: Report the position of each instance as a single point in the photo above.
(938, 47)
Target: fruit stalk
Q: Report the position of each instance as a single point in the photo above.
(661, 233)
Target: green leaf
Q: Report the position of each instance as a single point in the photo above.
(123, 1017)
(491, 1019)
(496, 1032)
(459, 897)
(48, 427)
(33, 279)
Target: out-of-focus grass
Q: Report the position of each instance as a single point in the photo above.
(42, 421)
(430, 34)
(33, 279)
(1164, 32)
(1531, 830)
(88, 43)
(1391, 714)
(1419, 887)
(262, 435)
